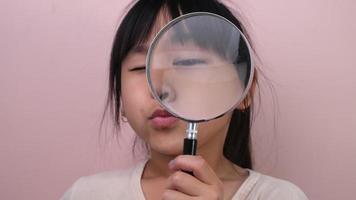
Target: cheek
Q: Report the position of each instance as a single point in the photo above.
(135, 100)
(133, 96)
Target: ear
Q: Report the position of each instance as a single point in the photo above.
(249, 97)
(122, 110)
(245, 103)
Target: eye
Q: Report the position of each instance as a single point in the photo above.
(189, 62)
(138, 68)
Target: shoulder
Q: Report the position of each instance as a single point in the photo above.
(271, 188)
(105, 185)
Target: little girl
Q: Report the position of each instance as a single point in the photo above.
(221, 170)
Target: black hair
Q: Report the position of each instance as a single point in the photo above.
(135, 29)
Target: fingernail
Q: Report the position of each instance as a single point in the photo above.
(171, 163)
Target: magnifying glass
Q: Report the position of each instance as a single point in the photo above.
(198, 68)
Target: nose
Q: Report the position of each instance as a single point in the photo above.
(163, 96)
(165, 93)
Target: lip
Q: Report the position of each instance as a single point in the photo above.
(162, 119)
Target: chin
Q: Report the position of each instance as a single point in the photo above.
(169, 148)
(166, 142)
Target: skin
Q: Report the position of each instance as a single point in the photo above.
(215, 177)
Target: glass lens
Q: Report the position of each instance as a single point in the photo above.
(199, 66)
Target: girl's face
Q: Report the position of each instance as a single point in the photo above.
(161, 131)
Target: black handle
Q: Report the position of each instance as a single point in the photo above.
(190, 146)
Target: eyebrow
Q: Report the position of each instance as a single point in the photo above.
(140, 49)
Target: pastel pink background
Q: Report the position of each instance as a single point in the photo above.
(53, 75)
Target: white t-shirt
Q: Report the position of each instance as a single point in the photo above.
(126, 185)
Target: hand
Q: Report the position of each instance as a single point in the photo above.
(203, 185)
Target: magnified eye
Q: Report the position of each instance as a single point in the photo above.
(189, 62)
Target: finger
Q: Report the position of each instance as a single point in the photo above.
(174, 195)
(197, 165)
(186, 184)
